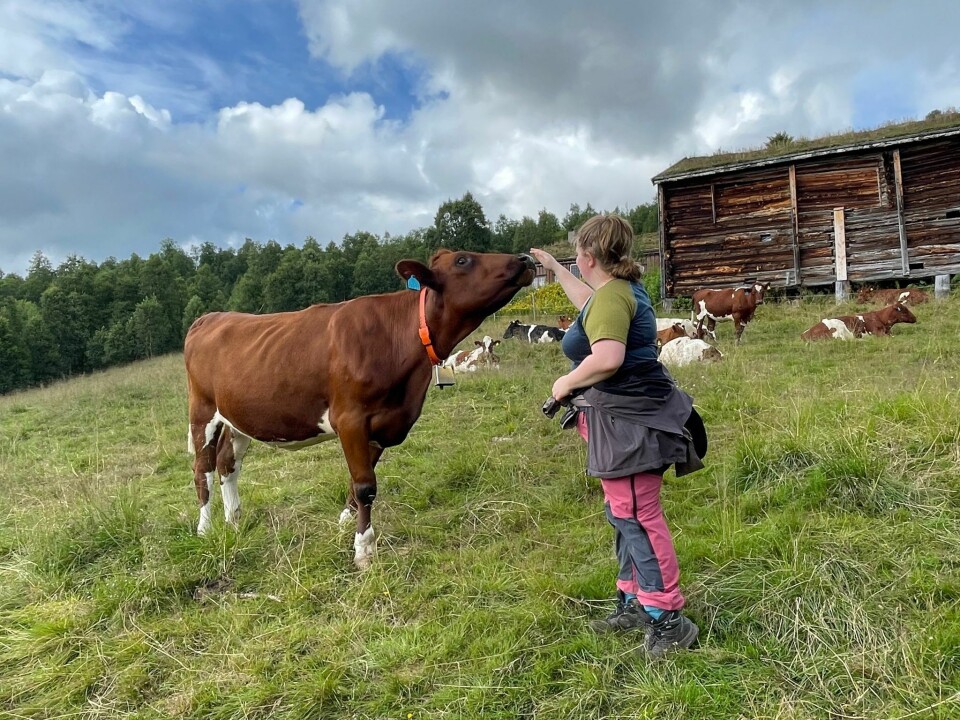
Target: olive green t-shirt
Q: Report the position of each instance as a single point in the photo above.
(611, 312)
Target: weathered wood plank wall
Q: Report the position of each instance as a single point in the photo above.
(776, 223)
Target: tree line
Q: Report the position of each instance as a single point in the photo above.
(82, 316)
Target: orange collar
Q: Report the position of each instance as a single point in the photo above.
(425, 331)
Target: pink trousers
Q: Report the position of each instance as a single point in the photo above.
(642, 540)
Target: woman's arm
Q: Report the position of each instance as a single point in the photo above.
(605, 359)
(578, 292)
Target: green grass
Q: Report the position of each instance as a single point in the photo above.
(948, 119)
(818, 550)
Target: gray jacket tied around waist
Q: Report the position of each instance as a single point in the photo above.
(636, 433)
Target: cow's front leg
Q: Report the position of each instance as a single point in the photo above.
(711, 328)
(363, 490)
(741, 324)
(350, 509)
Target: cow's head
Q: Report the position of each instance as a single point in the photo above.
(759, 290)
(513, 330)
(472, 284)
(900, 313)
(488, 357)
(564, 322)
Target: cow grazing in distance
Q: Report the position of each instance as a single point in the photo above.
(357, 370)
(738, 304)
(848, 327)
(670, 333)
(564, 322)
(908, 296)
(688, 325)
(533, 333)
(684, 350)
(472, 360)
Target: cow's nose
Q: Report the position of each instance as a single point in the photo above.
(527, 260)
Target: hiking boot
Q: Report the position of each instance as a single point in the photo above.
(671, 632)
(627, 617)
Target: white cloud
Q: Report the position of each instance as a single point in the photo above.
(529, 106)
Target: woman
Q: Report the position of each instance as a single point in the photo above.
(634, 427)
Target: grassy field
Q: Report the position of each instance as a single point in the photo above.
(819, 550)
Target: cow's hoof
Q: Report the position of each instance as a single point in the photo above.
(203, 527)
(345, 517)
(364, 549)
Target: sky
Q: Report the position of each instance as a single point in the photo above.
(125, 123)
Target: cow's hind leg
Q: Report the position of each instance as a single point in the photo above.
(203, 442)
(230, 451)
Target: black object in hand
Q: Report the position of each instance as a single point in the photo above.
(551, 406)
(569, 418)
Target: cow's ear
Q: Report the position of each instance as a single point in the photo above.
(495, 343)
(413, 268)
(478, 343)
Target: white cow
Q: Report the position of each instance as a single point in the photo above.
(684, 351)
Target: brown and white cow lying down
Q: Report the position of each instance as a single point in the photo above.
(684, 350)
(670, 333)
(357, 370)
(737, 304)
(688, 325)
(482, 356)
(909, 296)
(849, 327)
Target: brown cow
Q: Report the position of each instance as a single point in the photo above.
(848, 327)
(670, 333)
(357, 370)
(564, 322)
(737, 304)
(879, 322)
(909, 296)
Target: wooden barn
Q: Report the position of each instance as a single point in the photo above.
(870, 206)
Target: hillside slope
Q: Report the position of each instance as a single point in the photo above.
(818, 550)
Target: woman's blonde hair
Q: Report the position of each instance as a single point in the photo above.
(609, 238)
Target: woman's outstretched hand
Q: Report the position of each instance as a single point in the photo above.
(546, 259)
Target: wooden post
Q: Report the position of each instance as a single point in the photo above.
(662, 222)
(796, 225)
(898, 178)
(842, 287)
(941, 287)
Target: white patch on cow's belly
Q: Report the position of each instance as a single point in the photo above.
(838, 329)
(326, 433)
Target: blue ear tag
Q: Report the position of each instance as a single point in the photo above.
(413, 283)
